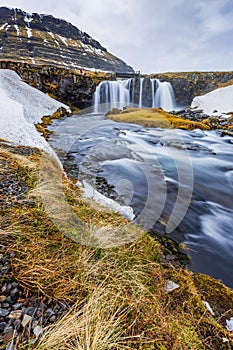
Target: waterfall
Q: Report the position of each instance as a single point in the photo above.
(164, 96)
(153, 81)
(140, 92)
(112, 93)
(122, 93)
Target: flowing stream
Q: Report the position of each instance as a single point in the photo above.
(178, 183)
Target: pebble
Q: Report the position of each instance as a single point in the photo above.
(2, 326)
(22, 314)
(4, 312)
(2, 298)
(37, 331)
(20, 311)
(17, 306)
(16, 314)
(26, 320)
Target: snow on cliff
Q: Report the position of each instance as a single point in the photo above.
(216, 102)
(21, 106)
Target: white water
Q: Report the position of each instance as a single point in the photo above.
(112, 93)
(140, 92)
(164, 96)
(181, 178)
(122, 93)
(153, 91)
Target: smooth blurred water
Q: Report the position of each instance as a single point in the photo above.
(121, 93)
(180, 179)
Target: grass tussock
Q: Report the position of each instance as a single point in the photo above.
(96, 324)
(118, 294)
(158, 118)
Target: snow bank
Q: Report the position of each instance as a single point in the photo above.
(21, 107)
(90, 192)
(220, 100)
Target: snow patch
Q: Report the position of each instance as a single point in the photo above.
(15, 14)
(32, 59)
(90, 192)
(64, 40)
(3, 26)
(95, 70)
(170, 286)
(216, 102)
(54, 38)
(21, 107)
(14, 126)
(17, 29)
(28, 19)
(29, 32)
(92, 49)
(229, 324)
(208, 307)
(35, 103)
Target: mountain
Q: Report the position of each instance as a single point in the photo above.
(43, 39)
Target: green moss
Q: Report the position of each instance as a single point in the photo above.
(47, 120)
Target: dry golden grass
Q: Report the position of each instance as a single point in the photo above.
(158, 118)
(96, 324)
(119, 295)
(18, 159)
(227, 83)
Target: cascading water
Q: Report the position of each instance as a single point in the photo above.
(140, 92)
(113, 93)
(121, 93)
(153, 91)
(164, 96)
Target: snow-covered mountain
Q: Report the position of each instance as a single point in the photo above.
(43, 39)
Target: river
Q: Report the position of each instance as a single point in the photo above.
(175, 182)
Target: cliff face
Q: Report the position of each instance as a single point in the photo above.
(43, 39)
(187, 85)
(67, 86)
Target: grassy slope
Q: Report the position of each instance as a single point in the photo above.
(118, 293)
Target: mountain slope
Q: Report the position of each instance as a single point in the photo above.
(43, 39)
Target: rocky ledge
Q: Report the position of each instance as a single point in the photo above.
(187, 85)
(69, 86)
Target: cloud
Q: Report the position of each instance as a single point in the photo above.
(216, 17)
(152, 35)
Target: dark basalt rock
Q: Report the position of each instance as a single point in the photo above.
(65, 85)
(43, 39)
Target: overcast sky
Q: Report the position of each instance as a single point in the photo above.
(151, 35)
